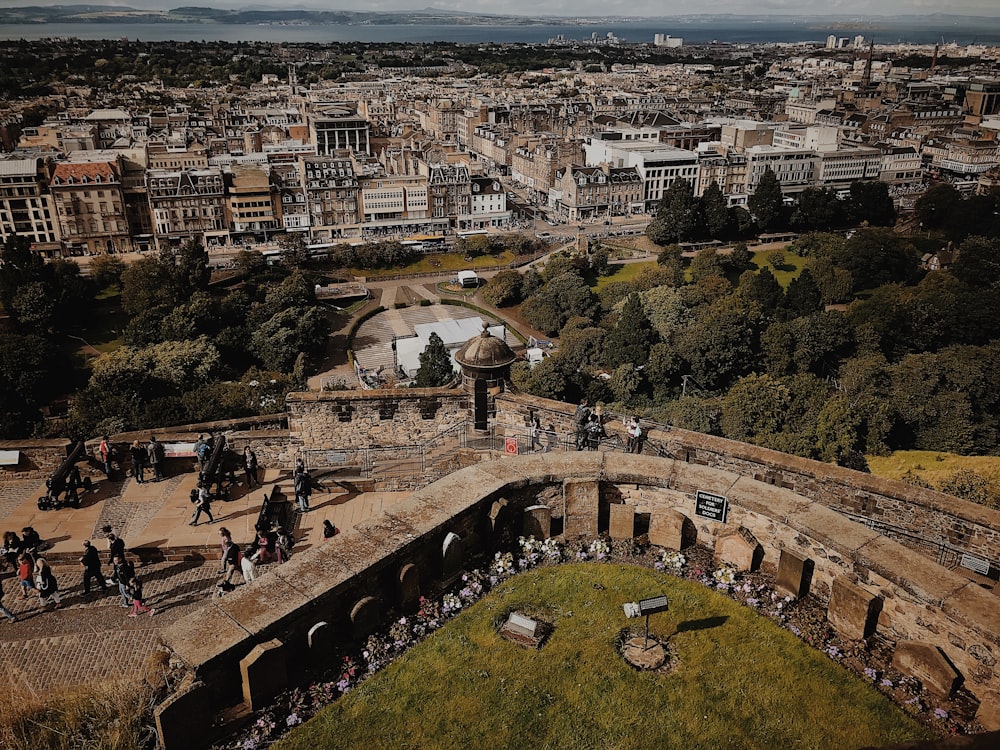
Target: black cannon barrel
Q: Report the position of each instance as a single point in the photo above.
(60, 474)
(213, 466)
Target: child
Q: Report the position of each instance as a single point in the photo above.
(24, 567)
(138, 600)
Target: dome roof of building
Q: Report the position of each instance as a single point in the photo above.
(485, 351)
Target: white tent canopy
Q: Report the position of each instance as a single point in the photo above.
(453, 333)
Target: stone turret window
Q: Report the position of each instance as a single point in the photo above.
(429, 408)
(388, 409)
(344, 412)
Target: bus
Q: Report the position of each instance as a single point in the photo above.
(471, 233)
(428, 240)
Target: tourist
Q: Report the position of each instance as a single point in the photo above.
(230, 558)
(204, 505)
(155, 453)
(303, 489)
(12, 547)
(533, 431)
(124, 572)
(139, 457)
(116, 547)
(199, 446)
(31, 542)
(25, 569)
(250, 467)
(3, 610)
(91, 563)
(45, 581)
(105, 451)
(247, 567)
(283, 544)
(581, 417)
(594, 432)
(138, 600)
(329, 530)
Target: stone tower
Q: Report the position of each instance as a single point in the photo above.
(485, 361)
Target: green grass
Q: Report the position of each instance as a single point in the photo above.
(621, 272)
(791, 269)
(741, 681)
(439, 263)
(934, 466)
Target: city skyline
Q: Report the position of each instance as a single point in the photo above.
(577, 8)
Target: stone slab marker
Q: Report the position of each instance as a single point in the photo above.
(740, 549)
(852, 611)
(671, 529)
(794, 574)
(582, 497)
(621, 522)
(184, 720)
(538, 521)
(364, 617)
(452, 558)
(928, 664)
(408, 587)
(265, 673)
(320, 638)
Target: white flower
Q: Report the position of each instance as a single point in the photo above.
(726, 574)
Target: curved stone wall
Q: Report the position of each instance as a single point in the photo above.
(378, 566)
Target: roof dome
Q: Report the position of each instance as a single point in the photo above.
(485, 352)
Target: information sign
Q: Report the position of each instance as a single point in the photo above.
(712, 507)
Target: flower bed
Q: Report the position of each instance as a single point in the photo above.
(805, 618)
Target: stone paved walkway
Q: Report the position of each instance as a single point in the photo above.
(92, 638)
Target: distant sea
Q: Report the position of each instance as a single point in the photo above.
(700, 33)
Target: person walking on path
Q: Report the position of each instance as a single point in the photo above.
(204, 505)
(580, 419)
(138, 600)
(124, 572)
(247, 567)
(139, 456)
(91, 563)
(155, 452)
(116, 548)
(25, 568)
(3, 610)
(105, 451)
(303, 489)
(230, 558)
(48, 587)
(250, 467)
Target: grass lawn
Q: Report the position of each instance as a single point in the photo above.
(934, 466)
(622, 272)
(791, 269)
(439, 263)
(741, 681)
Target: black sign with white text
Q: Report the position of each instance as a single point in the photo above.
(712, 507)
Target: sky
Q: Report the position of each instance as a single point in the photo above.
(623, 8)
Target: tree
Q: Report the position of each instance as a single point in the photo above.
(978, 262)
(715, 211)
(678, 217)
(706, 263)
(761, 287)
(817, 209)
(33, 306)
(740, 259)
(544, 379)
(279, 340)
(27, 368)
(970, 485)
(631, 337)
(107, 270)
(870, 203)
(435, 364)
(563, 297)
(802, 296)
(146, 284)
(504, 289)
(720, 346)
(938, 206)
(767, 202)
(754, 408)
(18, 266)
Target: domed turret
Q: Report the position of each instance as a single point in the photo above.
(485, 361)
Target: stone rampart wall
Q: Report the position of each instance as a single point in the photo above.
(923, 601)
(37, 460)
(959, 525)
(372, 419)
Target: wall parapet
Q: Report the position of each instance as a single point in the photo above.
(924, 601)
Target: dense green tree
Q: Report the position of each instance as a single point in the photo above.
(279, 340)
(754, 408)
(706, 263)
(545, 379)
(835, 284)
(715, 212)
(28, 366)
(666, 311)
(720, 346)
(802, 296)
(740, 259)
(504, 289)
(817, 209)
(631, 337)
(970, 485)
(563, 297)
(937, 207)
(678, 218)
(978, 262)
(146, 284)
(581, 346)
(761, 287)
(107, 271)
(33, 307)
(767, 203)
(18, 266)
(693, 413)
(870, 203)
(821, 341)
(627, 386)
(436, 368)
